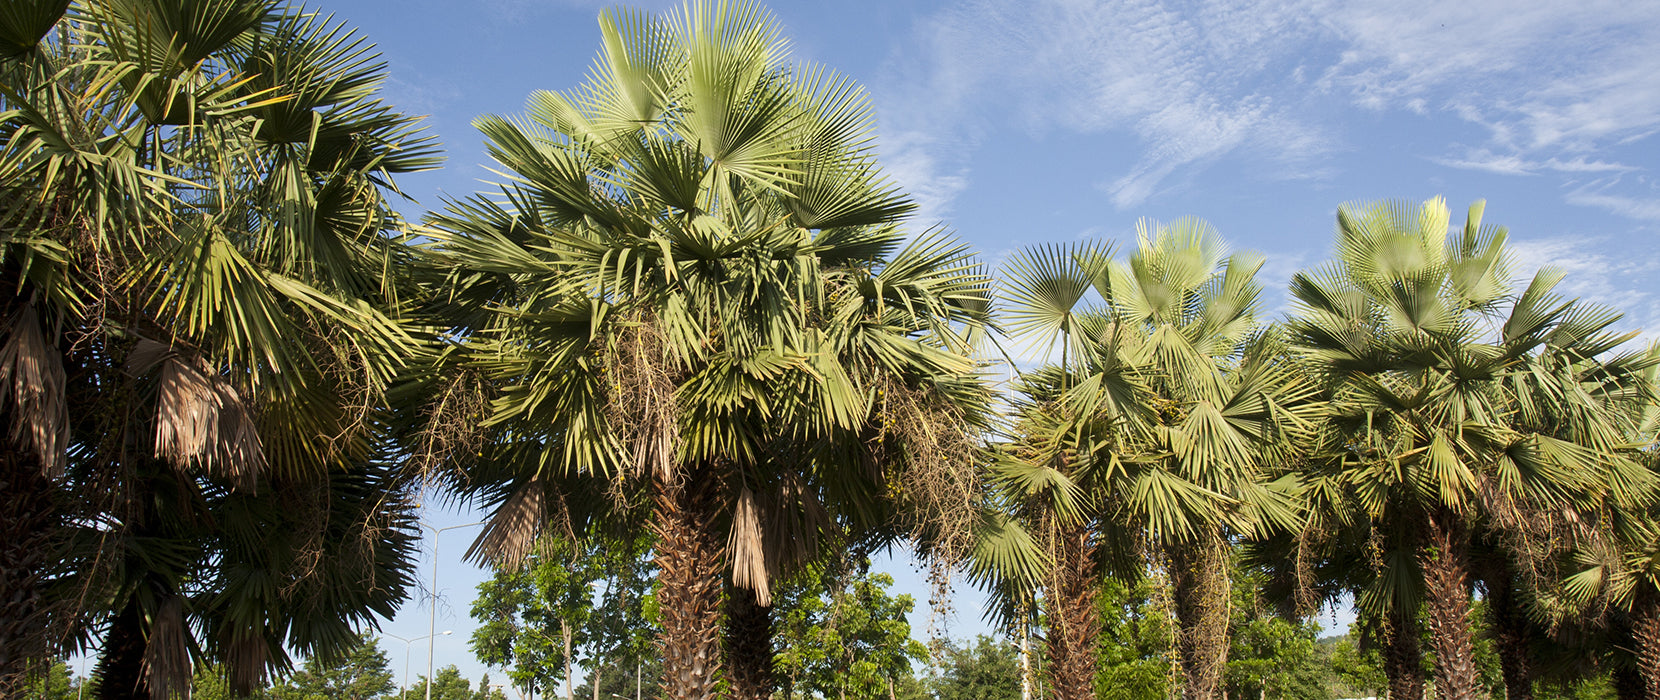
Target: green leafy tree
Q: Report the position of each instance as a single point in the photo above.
(596, 589)
(449, 685)
(984, 669)
(360, 673)
(626, 679)
(1358, 667)
(1135, 642)
(55, 683)
(842, 635)
(1271, 656)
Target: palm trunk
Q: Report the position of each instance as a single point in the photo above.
(689, 560)
(1072, 621)
(1403, 658)
(1645, 636)
(1511, 634)
(1628, 684)
(29, 522)
(1199, 583)
(749, 669)
(1447, 594)
(120, 671)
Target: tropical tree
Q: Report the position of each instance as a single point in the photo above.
(1160, 430)
(984, 669)
(693, 287)
(1133, 648)
(448, 684)
(590, 596)
(359, 673)
(1456, 404)
(199, 324)
(843, 635)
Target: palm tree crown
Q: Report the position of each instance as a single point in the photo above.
(202, 316)
(1457, 404)
(694, 283)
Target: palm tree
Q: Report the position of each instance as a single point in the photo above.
(1456, 405)
(1156, 432)
(693, 284)
(200, 324)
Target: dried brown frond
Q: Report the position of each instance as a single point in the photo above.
(167, 653)
(640, 409)
(32, 387)
(202, 421)
(33, 532)
(514, 529)
(246, 657)
(453, 432)
(795, 520)
(749, 559)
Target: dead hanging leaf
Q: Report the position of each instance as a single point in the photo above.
(32, 383)
(511, 532)
(201, 419)
(167, 654)
(749, 560)
(640, 406)
(247, 658)
(796, 520)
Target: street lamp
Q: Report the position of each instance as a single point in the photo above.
(432, 619)
(407, 643)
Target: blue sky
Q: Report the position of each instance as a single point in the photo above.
(1021, 122)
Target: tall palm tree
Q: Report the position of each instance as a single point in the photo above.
(1453, 400)
(199, 325)
(693, 284)
(1156, 431)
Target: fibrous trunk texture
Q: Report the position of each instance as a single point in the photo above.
(1511, 634)
(1628, 684)
(1403, 658)
(1447, 595)
(120, 670)
(749, 669)
(689, 560)
(29, 522)
(1645, 635)
(1072, 621)
(1199, 591)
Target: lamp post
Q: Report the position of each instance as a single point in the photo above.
(432, 619)
(407, 643)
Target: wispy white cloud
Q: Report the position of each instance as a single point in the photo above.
(912, 159)
(1514, 164)
(1554, 86)
(1616, 280)
(1182, 83)
(1599, 194)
